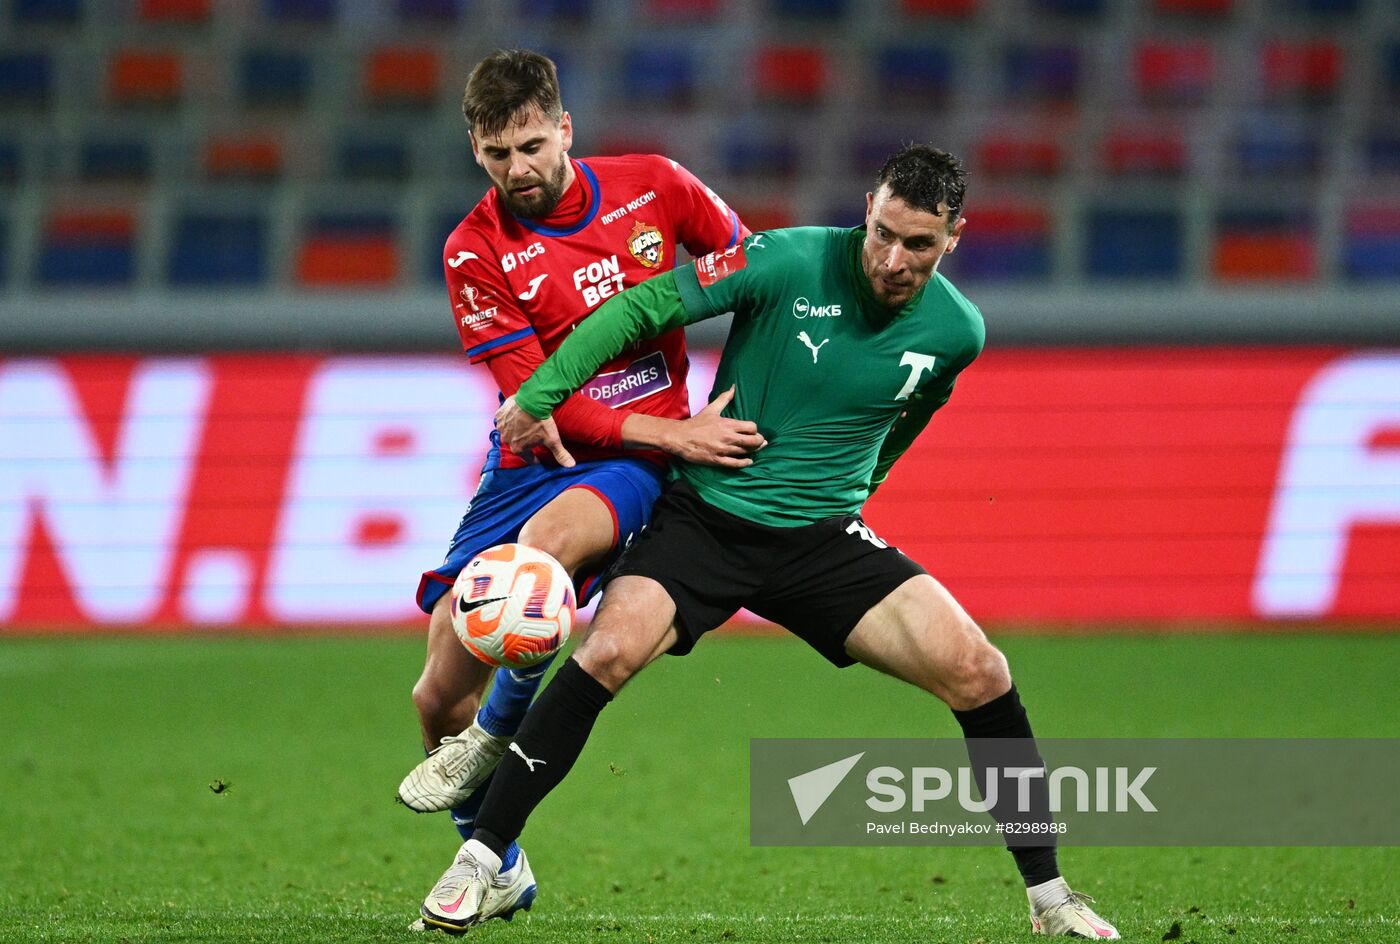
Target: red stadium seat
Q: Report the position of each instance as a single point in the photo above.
(955, 8)
(760, 216)
(145, 78)
(794, 74)
(243, 157)
(402, 75)
(1302, 69)
(174, 11)
(1174, 72)
(1264, 257)
(1148, 152)
(684, 9)
(1011, 155)
(347, 261)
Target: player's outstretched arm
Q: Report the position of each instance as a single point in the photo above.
(707, 438)
(522, 434)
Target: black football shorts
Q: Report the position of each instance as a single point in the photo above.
(816, 581)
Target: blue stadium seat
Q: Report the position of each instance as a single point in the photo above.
(87, 249)
(1277, 145)
(1371, 244)
(1133, 244)
(1383, 152)
(816, 9)
(659, 75)
(1012, 245)
(1070, 7)
(556, 9)
(268, 77)
(1390, 69)
(47, 11)
(10, 162)
(301, 11)
(916, 70)
(26, 78)
(1325, 7)
(436, 11)
(1042, 72)
(127, 159)
(760, 155)
(373, 159)
(210, 250)
(4, 251)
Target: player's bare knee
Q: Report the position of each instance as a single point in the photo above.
(604, 656)
(978, 675)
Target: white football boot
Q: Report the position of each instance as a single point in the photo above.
(1071, 916)
(472, 891)
(453, 771)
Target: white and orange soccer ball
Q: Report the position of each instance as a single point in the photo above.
(513, 606)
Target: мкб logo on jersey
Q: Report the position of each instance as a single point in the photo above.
(646, 245)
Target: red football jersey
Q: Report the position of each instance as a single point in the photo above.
(519, 286)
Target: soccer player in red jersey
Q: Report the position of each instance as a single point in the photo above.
(553, 239)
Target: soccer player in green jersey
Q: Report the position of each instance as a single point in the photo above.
(843, 345)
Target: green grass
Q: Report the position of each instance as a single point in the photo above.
(109, 830)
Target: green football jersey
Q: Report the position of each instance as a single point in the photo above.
(837, 383)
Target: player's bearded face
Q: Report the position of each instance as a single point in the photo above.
(903, 246)
(528, 162)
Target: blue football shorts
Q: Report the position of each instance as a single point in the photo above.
(507, 498)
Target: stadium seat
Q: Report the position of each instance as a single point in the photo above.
(653, 74)
(759, 216)
(373, 158)
(1146, 152)
(10, 162)
(1205, 8)
(26, 79)
(1302, 70)
(627, 141)
(951, 8)
(116, 159)
(749, 154)
(318, 12)
(1325, 7)
(273, 78)
(175, 11)
(1371, 243)
(684, 9)
(442, 226)
(791, 74)
(1019, 155)
(216, 250)
(1181, 73)
(1042, 73)
(348, 250)
(1012, 244)
(915, 71)
(145, 78)
(247, 157)
(1268, 145)
(429, 11)
(4, 252)
(1390, 70)
(1082, 8)
(1133, 244)
(813, 9)
(87, 248)
(46, 12)
(1382, 152)
(1263, 246)
(556, 9)
(402, 75)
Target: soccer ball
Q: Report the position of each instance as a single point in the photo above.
(513, 606)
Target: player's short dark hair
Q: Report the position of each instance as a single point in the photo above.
(507, 82)
(923, 177)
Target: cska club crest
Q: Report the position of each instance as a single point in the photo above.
(646, 245)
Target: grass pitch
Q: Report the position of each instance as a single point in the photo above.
(239, 789)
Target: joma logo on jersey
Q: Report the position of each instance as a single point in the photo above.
(513, 259)
(802, 308)
(646, 245)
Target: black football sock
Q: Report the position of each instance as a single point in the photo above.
(545, 748)
(1003, 717)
